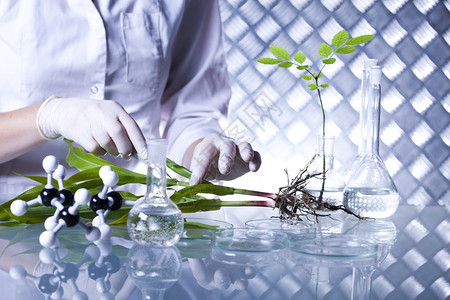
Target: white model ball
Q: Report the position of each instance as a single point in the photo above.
(93, 252)
(47, 239)
(18, 207)
(17, 272)
(60, 172)
(104, 170)
(105, 231)
(110, 178)
(96, 221)
(93, 234)
(50, 223)
(82, 196)
(50, 163)
(47, 256)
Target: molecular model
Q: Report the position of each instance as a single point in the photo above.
(67, 204)
(107, 200)
(49, 195)
(101, 266)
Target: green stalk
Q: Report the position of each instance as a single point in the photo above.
(263, 203)
(322, 190)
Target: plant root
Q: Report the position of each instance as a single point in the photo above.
(294, 201)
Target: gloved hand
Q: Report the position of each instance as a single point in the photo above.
(218, 157)
(211, 274)
(99, 126)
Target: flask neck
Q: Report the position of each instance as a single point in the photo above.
(156, 168)
(156, 180)
(370, 121)
(324, 154)
(365, 90)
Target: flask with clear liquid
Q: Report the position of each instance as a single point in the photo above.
(155, 220)
(370, 191)
(365, 88)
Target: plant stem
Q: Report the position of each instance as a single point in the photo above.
(254, 193)
(323, 142)
(264, 203)
(321, 107)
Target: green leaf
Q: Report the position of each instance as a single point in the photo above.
(81, 160)
(25, 196)
(359, 40)
(197, 225)
(325, 50)
(39, 179)
(285, 64)
(205, 188)
(300, 57)
(303, 67)
(306, 77)
(279, 52)
(329, 61)
(268, 61)
(312, 86)
(120, 221)
(180, 170)
(324, 85)
(201, 205)
(340, 38)
(345, 50)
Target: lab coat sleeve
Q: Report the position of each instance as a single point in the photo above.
(198, 90)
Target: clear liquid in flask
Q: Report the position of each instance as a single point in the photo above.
(371, 202)
(155, 225)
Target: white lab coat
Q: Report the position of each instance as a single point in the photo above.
(161, 59)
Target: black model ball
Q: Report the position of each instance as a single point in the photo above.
(70, 219)
(47, 195)
(117, 200)
(47, 284)
(67, 197)
(96, 272)
(98, 203)
(113, 263)
(70, 271)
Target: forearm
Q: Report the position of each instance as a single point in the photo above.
(18, 132)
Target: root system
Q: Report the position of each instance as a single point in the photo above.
(295, 202)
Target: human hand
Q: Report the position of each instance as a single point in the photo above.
(219, 157)
(99, 126)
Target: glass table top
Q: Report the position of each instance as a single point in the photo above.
(406, 257)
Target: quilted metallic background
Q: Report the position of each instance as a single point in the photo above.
(273, 108)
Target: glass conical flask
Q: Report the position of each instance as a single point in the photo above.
(154, 269)
(365, 89)
(370, 191)
(329, 185)
(154, 219)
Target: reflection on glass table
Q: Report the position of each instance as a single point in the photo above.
(153, 269)
(319, 250)
(321, 253)
(237, 263)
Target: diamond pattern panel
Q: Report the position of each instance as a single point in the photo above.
(412, 44)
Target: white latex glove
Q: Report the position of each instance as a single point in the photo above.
(212, 275)
(218, 157)
(99, 126)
